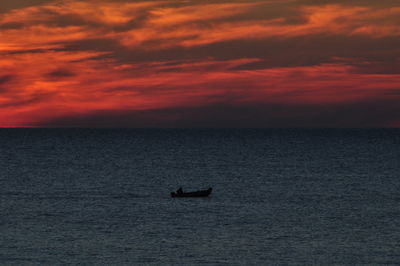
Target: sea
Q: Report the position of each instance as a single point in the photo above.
(280, 197)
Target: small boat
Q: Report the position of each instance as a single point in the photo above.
(200, 193)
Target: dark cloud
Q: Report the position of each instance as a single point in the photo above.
(3, 82)
(7, 5)
(374, 3)
(273, 52)
(379, 68)
(69, 20)
(6, 78)
(266, 11)
(61, 73)
(32, 51)
(95, 44)
(381, 113)
(11, 26)
(27, 100)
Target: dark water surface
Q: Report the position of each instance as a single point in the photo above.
(281, 197)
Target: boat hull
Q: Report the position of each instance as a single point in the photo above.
(195, 194)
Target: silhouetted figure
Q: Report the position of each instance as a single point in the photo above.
(179, 191)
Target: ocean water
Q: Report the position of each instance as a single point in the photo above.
(280, 197)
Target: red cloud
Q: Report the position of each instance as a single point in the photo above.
(105, 85)
(44, 78)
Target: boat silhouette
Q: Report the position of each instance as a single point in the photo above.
(199, 193)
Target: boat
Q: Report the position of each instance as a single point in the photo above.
(200, 193)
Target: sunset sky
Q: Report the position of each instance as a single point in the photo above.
(200, 63)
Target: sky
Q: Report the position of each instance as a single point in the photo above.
(200, 63)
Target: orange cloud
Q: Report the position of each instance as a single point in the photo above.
(41, 37)
(162, 25)
(327, 19)
(57, 84)
(171, 16)
(102, 12)
(43, 78)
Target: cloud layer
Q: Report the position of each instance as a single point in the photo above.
(291, 63)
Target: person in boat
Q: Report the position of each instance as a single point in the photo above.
(179, 191)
